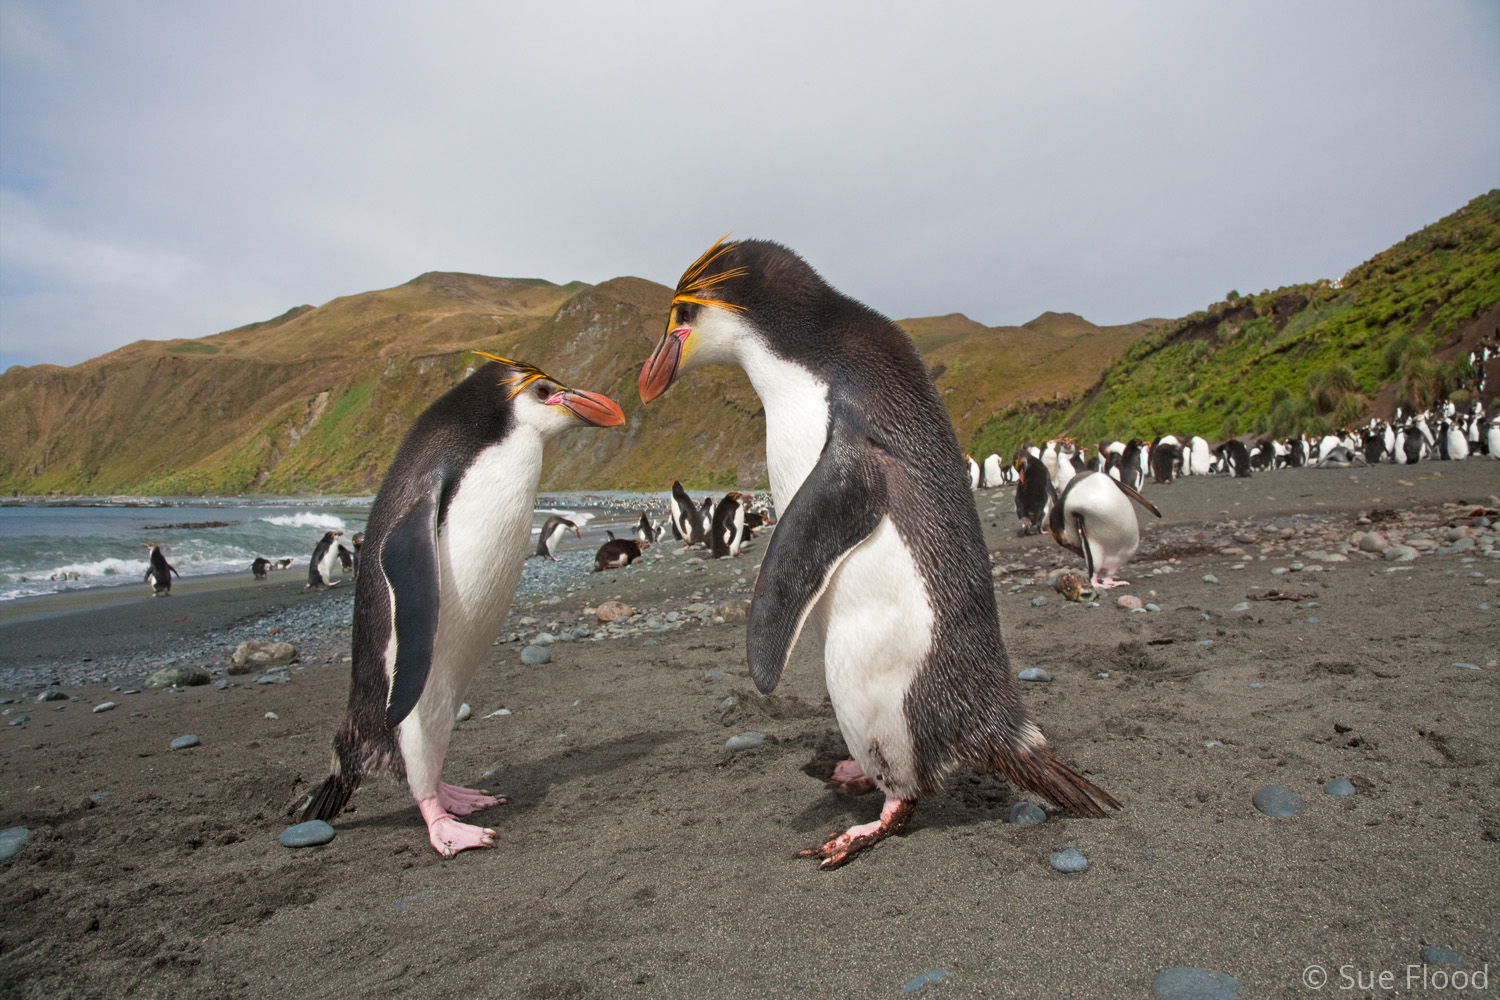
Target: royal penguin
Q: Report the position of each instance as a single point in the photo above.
(325, 558)
(685, 525)
(552, 532)
(1234, 458)
(159, 572)
(1166, 460)
(728, 534)
(1032, 484)
(617, 553)
(1201, 456)
(1094, 518)
(645, 531)
(974, 472)
(706, 520)
(1458, 442)
(261, 568)
(993, 472)
(878, 552)
(1133, 464)
(445, 542)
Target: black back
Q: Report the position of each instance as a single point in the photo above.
(723, 525)
(1031, 494)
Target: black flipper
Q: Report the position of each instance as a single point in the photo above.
(1088, 553)
(808, 546)
(409, 561)
(1135, 495)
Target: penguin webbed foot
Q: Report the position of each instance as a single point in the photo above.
(460, 801)
(447, 835)
(1108, 583)
(840, 848)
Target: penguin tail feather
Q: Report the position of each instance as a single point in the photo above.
(1036, 770)
(353, 759)
(331, 799)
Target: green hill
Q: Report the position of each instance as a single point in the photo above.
(317, 399)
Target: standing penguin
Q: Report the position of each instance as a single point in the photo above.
(706, 521)
(325, 557)
(552, 533)
(1031, 493)
(1093, 517)
(645, 532)
(879, 545)
(994, 472)
(685, 524)
(159, 572)
(260, 567)
(729, 527)
(445, 542)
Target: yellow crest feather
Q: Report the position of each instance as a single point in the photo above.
(523, 374)
(696, 278)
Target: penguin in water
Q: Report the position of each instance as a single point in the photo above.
(445, 543)
(617, 553)
(159, 572)
(1031, 493)
(729, 527)
(1093, 517)
(878, 548)
(261, 567)
(324, 557)
(552, 533)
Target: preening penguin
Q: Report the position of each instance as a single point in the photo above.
(1093, 517)
(1032, 490)
(552, 532)
(617, 553)
(159, 572)
(645, 531)
(261, 567)
(878, 545)
(325, 557)
(445, 543)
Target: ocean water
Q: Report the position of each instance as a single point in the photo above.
(59, 545)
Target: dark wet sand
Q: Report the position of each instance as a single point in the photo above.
(639, 857)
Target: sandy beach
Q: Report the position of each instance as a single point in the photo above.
(638, 856)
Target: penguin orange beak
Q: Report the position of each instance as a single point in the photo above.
(590, 407)
(660, 370)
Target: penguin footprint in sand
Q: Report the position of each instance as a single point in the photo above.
(445, 542)
(878, 551)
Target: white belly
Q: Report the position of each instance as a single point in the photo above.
(1108, 519)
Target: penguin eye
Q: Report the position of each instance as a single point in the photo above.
(685, 312)
(542, 390)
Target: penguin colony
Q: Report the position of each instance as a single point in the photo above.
(879, 558)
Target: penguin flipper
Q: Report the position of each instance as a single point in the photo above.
(409, 562)
(807, 548)
(1135, 495)
(1088, 551)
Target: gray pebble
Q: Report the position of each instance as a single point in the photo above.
(1484, 607)
(1296, 567)
(1210, 578)
(1034, 674)
(579, 633)
(309, 834)
(1204, 642)
(715, 675)
(1278, 801)
(544, 639)
(1242, 606)
(1092, 604)
(20, 720)
(1466, 666)
(1279, 571)
(103, 706)
(1434, 955)
(1311, 604)
(52, 695)
(1310, 621)
(536, 655)
(1339, 787)
(726, 704)
(1038, 601)
(464, 712)
(1476, 576)
(1187, 983)
(1153, 607)
(1069, 861)
(1212, 743)
(13, 840)
(1257, 685)
(745, 741)
(183, 742)
(930, 976)
(1025, 814)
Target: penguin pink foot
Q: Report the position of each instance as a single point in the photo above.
(462, 801)
(447, 835)
(1108, 583)
(841, 848)
(851, 777)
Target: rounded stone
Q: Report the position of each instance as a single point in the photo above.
(1278, 801)
(464, 712)
(1242, 606)
(745, 741)
(13, 840)
(1339, 787)
(1153, 607)
(1068, 862)
(1034, 674)
(184, 742)
(1038, 601)
(309, 834)
(1025, 814)
(1210, 578)
(103, 706)
(1435, 955)
(536, 655)
(1129, 602)
(1187, 983)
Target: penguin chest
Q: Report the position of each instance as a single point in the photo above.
(877, 621)
(482, 545)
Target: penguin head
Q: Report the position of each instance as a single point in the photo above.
(545, 404)
(746, 290)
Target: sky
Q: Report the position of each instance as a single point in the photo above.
(177, 169)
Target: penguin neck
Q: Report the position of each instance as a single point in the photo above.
(796, 402)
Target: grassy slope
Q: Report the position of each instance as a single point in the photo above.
(1217, 368)
(316, 400)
